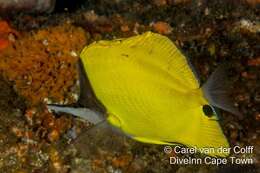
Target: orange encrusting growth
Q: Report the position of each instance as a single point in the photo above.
(42, 64)
(5, 30)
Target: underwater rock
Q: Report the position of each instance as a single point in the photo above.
(27, 5)
(253, 3)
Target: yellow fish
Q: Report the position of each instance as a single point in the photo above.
(148, 90)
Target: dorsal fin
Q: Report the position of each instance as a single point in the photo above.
(164, 53)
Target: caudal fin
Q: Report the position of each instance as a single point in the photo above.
(216, 90)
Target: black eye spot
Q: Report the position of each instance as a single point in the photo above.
(208, 111)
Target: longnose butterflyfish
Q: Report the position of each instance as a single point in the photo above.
(145, 87)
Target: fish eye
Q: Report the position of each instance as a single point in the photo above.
(208, 110)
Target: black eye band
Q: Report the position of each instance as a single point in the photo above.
(208, 111)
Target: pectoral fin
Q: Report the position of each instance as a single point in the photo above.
(102, 138)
